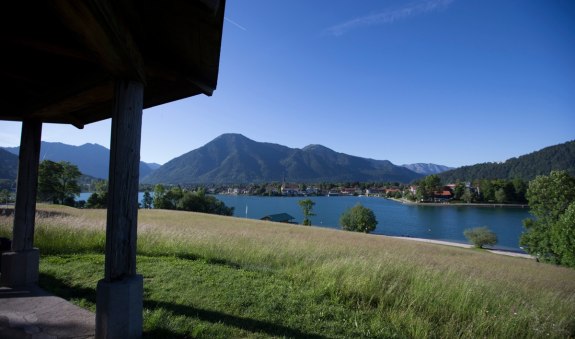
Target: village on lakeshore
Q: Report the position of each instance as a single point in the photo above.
(461, 192)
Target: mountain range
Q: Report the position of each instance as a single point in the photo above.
(91, 159)
(427, 169)
(233, 158)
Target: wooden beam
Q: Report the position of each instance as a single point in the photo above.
(102, 30)
(27, 186)
(123, 181)
(92, 96)
(47, 48)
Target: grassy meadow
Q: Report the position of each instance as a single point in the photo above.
(209, 276)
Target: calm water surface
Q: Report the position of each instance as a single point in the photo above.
(396, 219)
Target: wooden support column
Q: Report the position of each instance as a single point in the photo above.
(119, 302)
(20, 267)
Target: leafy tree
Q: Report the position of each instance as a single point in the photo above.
(57, 181)
(519, 190)
(468, 196)
(563, 237)
(306, 206)
(480, 236)
(458, 191)
(487, 190)
(428, 186)
(147, 199)
(177, 199)
(5, 196)
(549, 197)
(99, 199)
(202, 203)
(96, 200)
(159, 194)
(500, 196)
(358, 219)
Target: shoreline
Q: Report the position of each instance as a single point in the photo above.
(461, 245)
(439, 204)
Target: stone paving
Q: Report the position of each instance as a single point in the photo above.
(30, 312)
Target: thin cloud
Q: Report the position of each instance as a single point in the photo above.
(235, 23)
(389, 16)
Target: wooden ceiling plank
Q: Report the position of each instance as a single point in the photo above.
(47, 48)
(102, 31)
(77, 102)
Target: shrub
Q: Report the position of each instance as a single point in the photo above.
(358, 219)
(480, 236)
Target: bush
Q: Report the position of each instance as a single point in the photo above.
(358, 219)
(480, 236)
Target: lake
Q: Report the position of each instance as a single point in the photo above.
(396, 219)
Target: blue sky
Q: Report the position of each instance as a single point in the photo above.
(452, 82)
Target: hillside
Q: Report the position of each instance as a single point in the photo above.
(427, 169)
(242, 278)
(8, 165)
(233, 158)
(526, 167)
(91, 159)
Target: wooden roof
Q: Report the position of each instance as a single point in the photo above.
(60, 57)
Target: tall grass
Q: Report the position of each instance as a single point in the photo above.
(312, 280)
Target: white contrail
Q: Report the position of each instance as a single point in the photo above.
(235, 23)
(389, 16)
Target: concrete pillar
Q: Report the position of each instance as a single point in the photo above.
(20, 266)
(119, 302)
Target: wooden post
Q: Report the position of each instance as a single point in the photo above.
(20, 267)
(123, 181)
(27, 186)
(119, 301)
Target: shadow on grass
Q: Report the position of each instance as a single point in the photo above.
(64, 290)
(246, 324)
(193, 257)
(67, 291)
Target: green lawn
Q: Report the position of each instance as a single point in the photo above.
(210, 276)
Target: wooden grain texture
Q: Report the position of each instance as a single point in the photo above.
(27, 186)
(121, 228)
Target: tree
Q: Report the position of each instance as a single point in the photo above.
(5, 196)
(500, 196)
(99, 199)
(487, 190)
(306, 206)
(480, 236)
(57, 181)
(358, 219)
(563, 237)
(458, 191)
(177, 199)
(147, 199)
(548, 197)
(519, 190)
(159, 193)
(428, 186)
(467, 195)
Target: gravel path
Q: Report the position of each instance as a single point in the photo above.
(456, 244)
